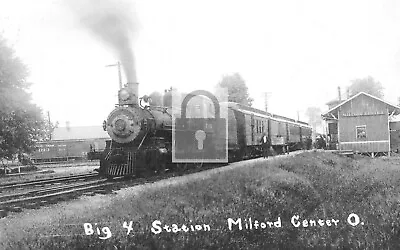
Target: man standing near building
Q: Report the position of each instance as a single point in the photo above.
(265, 143)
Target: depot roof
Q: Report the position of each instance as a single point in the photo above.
(392, 108)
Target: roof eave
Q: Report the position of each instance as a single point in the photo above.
(396, 108)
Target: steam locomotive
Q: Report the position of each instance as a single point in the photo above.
(141, 136)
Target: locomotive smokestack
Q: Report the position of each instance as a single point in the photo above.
(134, 87)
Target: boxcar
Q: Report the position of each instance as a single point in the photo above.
(52, 151)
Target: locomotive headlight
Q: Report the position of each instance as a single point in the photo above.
(124, 94)
(120, 125)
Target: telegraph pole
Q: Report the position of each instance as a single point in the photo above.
(266, 100)
(118, 64)
(48, 115)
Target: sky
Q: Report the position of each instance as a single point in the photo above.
(298, 51)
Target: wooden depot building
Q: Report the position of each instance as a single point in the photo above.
(361, 124)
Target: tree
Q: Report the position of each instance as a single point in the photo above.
(156, 99)
(168, 97)
(21, 121)
(237, 89)
(48, 128)
(367, 85)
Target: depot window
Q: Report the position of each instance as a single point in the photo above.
(361, 132)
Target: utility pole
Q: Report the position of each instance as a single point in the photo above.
(50, 132)
(266, 100)
(118, 64)
(67, 125)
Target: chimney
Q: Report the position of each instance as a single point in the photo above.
(348, 93)
(339, 95)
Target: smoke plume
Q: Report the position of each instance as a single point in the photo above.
(114, 23)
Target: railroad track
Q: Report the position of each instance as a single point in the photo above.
(32, 194)
(31, 199)
(15, 202)
(16, 185)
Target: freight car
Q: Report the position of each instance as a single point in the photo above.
(141, 137)
(57, 151)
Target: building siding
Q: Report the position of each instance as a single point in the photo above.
(366, 147)
(368, 112)
(376, 127)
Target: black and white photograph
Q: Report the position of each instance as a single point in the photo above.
(149, 124)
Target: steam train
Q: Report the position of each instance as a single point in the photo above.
(141, 136)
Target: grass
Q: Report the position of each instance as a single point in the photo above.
(313, 185)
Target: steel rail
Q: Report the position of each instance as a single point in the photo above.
(45, 181)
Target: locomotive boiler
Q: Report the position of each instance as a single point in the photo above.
(140, 137)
